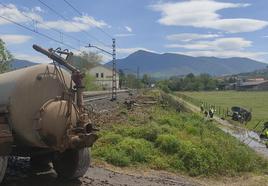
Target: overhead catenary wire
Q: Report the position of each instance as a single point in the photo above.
(98, 27)
(79, 13)
(50, 28)
(39, 33)
(64, 18)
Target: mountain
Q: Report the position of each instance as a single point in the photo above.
(18, 64)
(168, 64)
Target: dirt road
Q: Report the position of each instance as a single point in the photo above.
(19, 174)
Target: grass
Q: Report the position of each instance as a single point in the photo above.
(177, 142)
(257, 101)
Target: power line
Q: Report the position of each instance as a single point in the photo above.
(64, 18)
(44, 35)
(39, 33)
(79, 13)
(50, 28)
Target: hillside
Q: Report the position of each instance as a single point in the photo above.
(18, 63)
(262, 73)
(168, 64)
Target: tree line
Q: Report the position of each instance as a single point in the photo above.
(191, 82)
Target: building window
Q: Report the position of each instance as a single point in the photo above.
(102, 75)
(97, 75)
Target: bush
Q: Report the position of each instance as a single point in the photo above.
(178, 142)
(118, 158)
(138, 150)
(168, 143)
(110, 138)
(148, 132)
(159, 162)
(90, 83)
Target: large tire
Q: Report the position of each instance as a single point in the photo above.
(40, 163)
(72, 164)
(3, 166)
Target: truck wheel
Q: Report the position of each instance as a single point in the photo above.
(40, 163)
(3, 166)
(72, 163)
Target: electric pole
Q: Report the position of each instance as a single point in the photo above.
(114, 82)
(138, 78)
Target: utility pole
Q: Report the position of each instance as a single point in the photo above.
(138, 78)
(113, 54)
(114, 82)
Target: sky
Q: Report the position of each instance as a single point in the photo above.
(219, 28)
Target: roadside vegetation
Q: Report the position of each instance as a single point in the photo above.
(177, 142)
(257, 102)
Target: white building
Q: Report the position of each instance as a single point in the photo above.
(104, 76)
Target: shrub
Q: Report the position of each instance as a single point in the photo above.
(148, 132)
(168, 143)
(111, 138)
(118, 158)
(138, 150)
(171, 141)
(159, 162)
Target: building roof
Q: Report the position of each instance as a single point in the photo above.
(251, 83)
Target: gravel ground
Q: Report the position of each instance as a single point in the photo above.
(19, 174)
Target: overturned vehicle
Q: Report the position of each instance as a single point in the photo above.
(241, 114)
(42, 116)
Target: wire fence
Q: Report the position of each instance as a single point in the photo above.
(221, 111)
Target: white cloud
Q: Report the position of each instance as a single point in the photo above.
(11, 12)
(15, 39)
(203, 14)
(75, 25)
(33, 58)
(260, 56)
(222, 44)
(186, 37)
(129, 29)
(221, 47)
(124, 35)
(38, 9)
(132, 50)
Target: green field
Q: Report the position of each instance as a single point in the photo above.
(256, 101)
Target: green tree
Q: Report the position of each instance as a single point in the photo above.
(5, 57)
(131, 81)
(122, 78)
(90, 84)
(146, 80)
(85, 60)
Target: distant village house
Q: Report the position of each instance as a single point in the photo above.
(253, 84)
(104, 76)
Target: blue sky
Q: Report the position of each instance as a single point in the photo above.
(220, 28)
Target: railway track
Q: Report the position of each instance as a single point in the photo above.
(91, 96)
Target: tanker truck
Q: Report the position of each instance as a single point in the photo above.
(42, 116)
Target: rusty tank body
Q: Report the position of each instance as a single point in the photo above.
(42, 116)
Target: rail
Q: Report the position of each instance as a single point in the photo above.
(90, 96)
